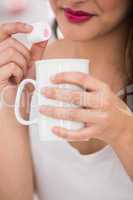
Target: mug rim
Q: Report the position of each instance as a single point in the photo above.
(62, 59)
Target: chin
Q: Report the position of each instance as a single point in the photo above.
(81, 32)
(78, 37)
(78, 34)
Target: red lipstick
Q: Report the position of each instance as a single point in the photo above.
(77, 16)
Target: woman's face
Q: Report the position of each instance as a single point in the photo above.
(98, 17)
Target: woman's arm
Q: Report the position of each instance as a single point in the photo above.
(124, 148)
(15, 158)
(16, 180)
(16, 63)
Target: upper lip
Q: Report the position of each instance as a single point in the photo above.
(78, 12)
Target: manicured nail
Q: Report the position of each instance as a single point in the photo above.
(46, 91)
(42, 109)
(42, 44)
(45, 108)
(55, 129)
(52, 78)
(28, 27)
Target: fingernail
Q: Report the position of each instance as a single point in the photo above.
(46, 91)
(42, 44)
(28, 27)
(55, 129)
(52, 78)
(43, 109)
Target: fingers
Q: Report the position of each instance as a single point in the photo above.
(81, 98)
(6, 30)
(74, 114)
(81, 79)
(12, 56)
(10, 70)
(31, 72)
(37, 50)
(78, 135)
(13, 43)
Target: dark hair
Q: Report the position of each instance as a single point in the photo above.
(54, 27)
(129, 56)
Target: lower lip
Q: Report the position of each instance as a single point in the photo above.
(77, 19)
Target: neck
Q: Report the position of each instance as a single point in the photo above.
(106, 53)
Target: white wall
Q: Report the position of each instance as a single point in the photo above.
(37, 10)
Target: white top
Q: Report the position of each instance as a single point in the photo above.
(62, 173)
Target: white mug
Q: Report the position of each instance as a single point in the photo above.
(44, 70)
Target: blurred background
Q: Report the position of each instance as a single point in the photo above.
(28, 11)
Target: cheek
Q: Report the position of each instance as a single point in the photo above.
(109, 5)
(53, 4)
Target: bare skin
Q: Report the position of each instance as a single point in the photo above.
(110, 71)
(102, 40)
(87, 147)
(17, 179)
(113, 69)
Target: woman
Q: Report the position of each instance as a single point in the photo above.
(102, 167)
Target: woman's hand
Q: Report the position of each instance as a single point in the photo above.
(105, 115)
(16, 60)
(14, 56)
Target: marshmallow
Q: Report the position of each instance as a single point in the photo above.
(41, 32)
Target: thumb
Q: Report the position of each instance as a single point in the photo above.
(37, 50)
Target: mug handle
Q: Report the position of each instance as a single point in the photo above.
(17, 103)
